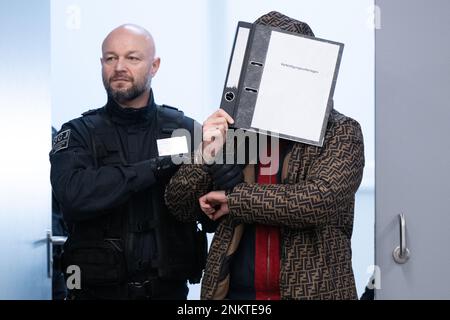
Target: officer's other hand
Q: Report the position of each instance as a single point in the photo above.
(215, 130)
(214, 204)
(163, 167)
(226, 176)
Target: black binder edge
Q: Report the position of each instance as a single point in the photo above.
(252, 75)
(230, 106)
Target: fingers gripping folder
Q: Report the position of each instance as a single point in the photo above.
(281, 83)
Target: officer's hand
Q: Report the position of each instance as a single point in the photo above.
(226, 176)
(214, 204)
(163, 167)
(215, 130)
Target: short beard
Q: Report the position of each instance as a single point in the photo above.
(135, 91)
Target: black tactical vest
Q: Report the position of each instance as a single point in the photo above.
(125, 242)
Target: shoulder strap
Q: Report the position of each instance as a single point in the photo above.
(92, 111)
(104, 138)
(104, 135)
(168, 120)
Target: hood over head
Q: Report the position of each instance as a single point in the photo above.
(279, 20)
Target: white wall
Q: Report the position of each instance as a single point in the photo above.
(79, 27)
(25, 140)
(194, 40)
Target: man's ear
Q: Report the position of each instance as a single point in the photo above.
(155, 66)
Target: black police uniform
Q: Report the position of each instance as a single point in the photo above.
(59, 228)
(110, 187)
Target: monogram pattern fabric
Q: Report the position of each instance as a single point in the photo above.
(314, 208)
(279, 20)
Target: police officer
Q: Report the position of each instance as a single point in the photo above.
(109, 181)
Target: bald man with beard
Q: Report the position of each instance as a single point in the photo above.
(109, 181)
(129, 64)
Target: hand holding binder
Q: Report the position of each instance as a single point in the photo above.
(215, 130)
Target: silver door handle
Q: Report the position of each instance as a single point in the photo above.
(51, 240)
(401, 253)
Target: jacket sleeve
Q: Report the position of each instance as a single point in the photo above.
(333, 180)
(84, 191)
(184, 189)
(189, 184)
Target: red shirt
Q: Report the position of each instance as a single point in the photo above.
(267, 247)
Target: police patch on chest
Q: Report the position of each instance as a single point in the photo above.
(61, 141)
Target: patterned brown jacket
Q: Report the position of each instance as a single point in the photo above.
(313, 207)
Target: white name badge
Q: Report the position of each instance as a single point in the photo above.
(172, 146)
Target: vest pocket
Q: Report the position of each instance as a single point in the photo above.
(100, 262)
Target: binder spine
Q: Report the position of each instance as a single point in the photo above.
(230, 95)
(253, 69)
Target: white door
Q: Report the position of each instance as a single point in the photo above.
(25, 137)
(413, 149)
